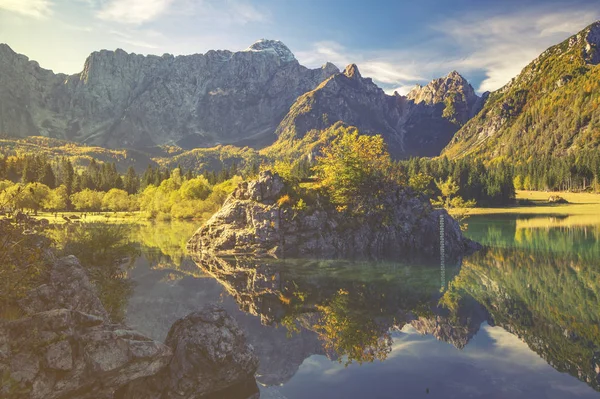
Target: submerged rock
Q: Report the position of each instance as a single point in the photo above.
(252, 222)
(210, 355)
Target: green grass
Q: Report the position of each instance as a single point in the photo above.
(108, 217)
(584, 205)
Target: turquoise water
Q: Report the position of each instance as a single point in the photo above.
(520, 319)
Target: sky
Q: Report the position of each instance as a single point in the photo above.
(398, 43)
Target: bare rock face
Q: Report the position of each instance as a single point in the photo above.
(592, 44)
(210, 356)
(69, 287)
(66, 353)
(129, 100)
(419, 124)
(453, 89)
(254, 224)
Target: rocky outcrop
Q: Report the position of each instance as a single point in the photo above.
(68, 287)
(252, 222)
(66, 347)
(419, 124)
(210, 355)
(157, 303)
(66, 353)
(129, 100)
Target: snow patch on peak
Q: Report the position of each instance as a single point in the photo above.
(273, 46)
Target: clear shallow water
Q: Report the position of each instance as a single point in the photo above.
(520, 319)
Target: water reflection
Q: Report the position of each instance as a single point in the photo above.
(520, 312)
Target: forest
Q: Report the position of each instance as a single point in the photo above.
(41, 182)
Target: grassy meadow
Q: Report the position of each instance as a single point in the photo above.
(582, 206)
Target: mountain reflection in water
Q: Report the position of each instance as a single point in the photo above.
(522, 317)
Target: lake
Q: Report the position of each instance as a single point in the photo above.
(520, 319)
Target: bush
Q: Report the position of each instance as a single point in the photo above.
(354, 171)
(23, 263)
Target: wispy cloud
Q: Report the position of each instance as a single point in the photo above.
(223, 12)
(495, 46)
(219, 13)
(133, 11)
(143, 39)
(30, 8)
(502, 45)
(392, 70)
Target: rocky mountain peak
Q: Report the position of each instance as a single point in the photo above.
(439, 89)
(274, 47)
(330, 69)
(352, 72)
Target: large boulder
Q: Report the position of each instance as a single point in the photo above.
(210, 356)
(252, 221)
(68, 287)
(66, 347)
(65, 353)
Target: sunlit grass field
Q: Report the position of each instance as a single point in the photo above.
(89, 217)
(585, 206)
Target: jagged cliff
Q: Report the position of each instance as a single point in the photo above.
(250, 97)
(419, 124)
(130, 100)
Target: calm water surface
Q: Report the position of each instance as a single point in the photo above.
(520, 319)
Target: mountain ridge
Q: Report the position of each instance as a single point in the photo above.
(128, 100)
(419, 124)
(124, 99)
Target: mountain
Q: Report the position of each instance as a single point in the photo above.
(419, 124)
(552, 108)
(130, 100)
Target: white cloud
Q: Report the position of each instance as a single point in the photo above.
(213, 12)
(133, 11)
(496, 46)
(390, 69)
(30, 8)
(501, 45)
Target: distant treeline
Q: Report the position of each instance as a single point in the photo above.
(490, 183)
(486, 185)
(35, 182)
(575, 172)
(494, 183)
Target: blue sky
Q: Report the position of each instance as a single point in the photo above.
(397, 43)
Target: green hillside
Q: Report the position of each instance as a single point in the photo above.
(550, 109)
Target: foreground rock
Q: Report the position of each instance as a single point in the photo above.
(65, 353)
(210, 355)
(68, 287)
(66, 347)
(251, 222)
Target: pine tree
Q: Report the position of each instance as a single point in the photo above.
(48, 177)
(131, 181)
